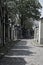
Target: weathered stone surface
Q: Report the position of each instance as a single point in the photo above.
(23, 53)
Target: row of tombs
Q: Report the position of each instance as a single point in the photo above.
(38, 32)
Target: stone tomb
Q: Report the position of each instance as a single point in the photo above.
(38, 32)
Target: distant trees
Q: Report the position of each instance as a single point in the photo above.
(28, 9)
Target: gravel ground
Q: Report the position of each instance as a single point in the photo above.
(23, 53)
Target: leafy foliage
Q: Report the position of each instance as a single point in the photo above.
(24, 8)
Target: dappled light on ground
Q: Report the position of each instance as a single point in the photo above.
(20, 53)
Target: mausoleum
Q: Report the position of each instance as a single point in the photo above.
(38, 32)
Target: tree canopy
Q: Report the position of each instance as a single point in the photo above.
(27, 8)
(24, 8)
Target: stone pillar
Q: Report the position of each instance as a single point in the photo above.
(9, 33)
(12, 32)
(41, 32)
(15, 33)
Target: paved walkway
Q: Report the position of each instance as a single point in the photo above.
(23, 53)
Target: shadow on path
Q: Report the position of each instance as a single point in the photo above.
(16, 54)
(12, 61)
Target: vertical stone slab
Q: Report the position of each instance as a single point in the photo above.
(41, 32)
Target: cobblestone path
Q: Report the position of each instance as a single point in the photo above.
(23, 53)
